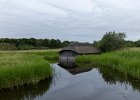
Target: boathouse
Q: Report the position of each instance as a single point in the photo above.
(75, 49)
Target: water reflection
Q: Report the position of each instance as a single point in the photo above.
(67, 64)
(113, 77)
(27, 92)
(72, 68)
(71, 82)
(109, 75)
(86, 83)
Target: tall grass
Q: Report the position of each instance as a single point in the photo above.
(18, 68)
(125, 61)
(48, 54)
(51, 54)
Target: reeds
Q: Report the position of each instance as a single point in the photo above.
(18, 68)
(125, 61)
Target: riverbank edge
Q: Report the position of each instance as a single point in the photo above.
(126, 62)
(34, 80)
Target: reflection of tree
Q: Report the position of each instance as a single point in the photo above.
(28, 92)
(113, 76)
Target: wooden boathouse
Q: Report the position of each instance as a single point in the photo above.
(75, 49)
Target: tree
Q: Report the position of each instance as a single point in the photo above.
(53, 43)
(46, 42)
(112, 41)
(32, 43)
(96, 43)
(39, 43)
(129, 43)
(137, 43)
(65, 43)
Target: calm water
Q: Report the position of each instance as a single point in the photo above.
(78, 84)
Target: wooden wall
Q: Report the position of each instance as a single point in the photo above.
(68, 55)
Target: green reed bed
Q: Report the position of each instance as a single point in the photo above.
(18, 68)
(48, 54)
(51, 54)
(125, 61)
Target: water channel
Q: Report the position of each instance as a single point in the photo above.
(78, 83)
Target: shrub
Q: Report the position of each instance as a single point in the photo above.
(7, 46)
(112, 41)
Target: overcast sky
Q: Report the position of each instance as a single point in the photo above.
(78, 20)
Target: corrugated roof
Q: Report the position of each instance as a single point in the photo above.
(82, 48)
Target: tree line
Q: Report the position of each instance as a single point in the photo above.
(32, 43)
(110, 41)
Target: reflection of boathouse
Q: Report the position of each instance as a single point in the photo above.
(72, 68)
(75, 49)
(67, 63)
(78, 70)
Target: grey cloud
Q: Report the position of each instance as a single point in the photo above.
(54, 20)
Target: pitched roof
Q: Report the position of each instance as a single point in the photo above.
(81, 48)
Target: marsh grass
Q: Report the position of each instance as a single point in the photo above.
(48, 54)
(126, 61)
(18, 68)
(51, 54)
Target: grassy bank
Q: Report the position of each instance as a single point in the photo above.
(51, 54)
(47, 54)
(24, 67)
(125, 61)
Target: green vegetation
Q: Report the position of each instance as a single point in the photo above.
(111, 41)
(7, 46)
(25, 67)
(51, 54)
(137, 43)
(31, 44)
(47, 54)
(125, 61)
